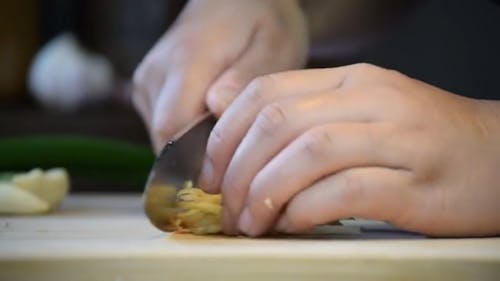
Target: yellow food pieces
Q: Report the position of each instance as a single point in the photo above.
(190, 210)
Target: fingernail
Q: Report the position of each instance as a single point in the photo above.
(282, 225)
(245, 222)
(206, 176)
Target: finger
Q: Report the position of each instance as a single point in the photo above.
(280, 123)
(366, 192)
(182, 97)
(237, 119)
(192, 67)
(319, 152)
(253, 62)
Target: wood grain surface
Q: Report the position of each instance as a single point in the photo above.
(107, 237)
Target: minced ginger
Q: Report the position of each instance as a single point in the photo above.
(189, 210)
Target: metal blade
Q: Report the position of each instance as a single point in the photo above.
(180, 160)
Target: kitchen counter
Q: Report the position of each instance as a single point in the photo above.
(107, 237)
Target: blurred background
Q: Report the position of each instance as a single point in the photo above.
(87, 123)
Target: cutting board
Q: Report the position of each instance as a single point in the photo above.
(107, 237)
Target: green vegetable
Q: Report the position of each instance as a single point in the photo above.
(84, 157)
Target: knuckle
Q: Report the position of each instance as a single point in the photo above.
(393, 73)
(315, 142)
(258, 87)
(271, 118)
(364, 68)
(371, 73)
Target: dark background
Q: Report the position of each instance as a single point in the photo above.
(454, 45)
(451, 44)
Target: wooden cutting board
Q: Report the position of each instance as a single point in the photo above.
(107, 237)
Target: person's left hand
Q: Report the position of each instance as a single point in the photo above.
(303, 148)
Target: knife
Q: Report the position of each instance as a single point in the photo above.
(180, 160)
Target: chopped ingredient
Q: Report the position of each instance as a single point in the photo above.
(33, 192)
(190, 210)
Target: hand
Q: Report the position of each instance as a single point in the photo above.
(303, 148)
(210, 54)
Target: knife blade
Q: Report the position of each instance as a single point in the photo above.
(180, 161)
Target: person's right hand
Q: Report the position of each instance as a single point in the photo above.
(210, 54)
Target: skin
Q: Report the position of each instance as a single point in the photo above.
(296, 149)
(302, 148)
(199, 64)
